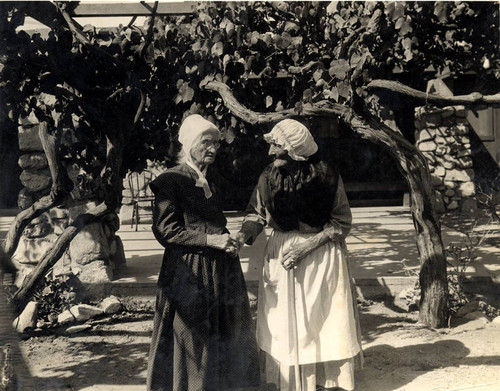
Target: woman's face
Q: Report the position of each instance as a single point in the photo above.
(280, 155)
(204, 149)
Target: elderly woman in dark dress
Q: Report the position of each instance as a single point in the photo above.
(202, 336)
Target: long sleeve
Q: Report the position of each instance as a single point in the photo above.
(168, 221)
(340, 216)
(255, 218)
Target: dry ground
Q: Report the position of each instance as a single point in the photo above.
(400, 354)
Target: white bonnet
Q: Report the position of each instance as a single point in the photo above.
(191, 128)
(294, 137)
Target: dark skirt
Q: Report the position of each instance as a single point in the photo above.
(203, 338)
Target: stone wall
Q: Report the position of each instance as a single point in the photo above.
(96, 253)
(443, 137)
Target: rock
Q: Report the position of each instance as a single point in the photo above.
(440, 140)
(59, 219)
(436, 180)
(66, 317)
(25, 199)
(83, 312)
(460, 130)
(449, 193)
(29, 139)
(459, 175)
(111, 305)
(95, 277)
(30, 120)
(465, 162)
(448, 165)
(427, 146)
(78, 328)
(38, 227)
(96, 272)
(448, 112)
(440, 171)
(27, 319)
(452, 205)
(473, 321)
(460, 112)
(464, 152)
(31, 251)
(89, 245)
(35, 180)
(34, 161)
(450, 184)
(442, 150)
(469, 205)
(443, 131)
(476, 315)
(467, 309)
(467, 189)
(431, 158)
(432, 119)
(424, 135)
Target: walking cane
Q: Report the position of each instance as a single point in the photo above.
(295, 334)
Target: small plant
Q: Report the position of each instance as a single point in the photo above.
(56, 295)
(411, 295)
(459, 258)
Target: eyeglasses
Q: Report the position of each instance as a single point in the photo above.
(210, 143)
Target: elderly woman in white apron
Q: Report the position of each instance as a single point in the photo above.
(306, 312)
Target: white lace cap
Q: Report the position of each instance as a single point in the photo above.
(294, 137)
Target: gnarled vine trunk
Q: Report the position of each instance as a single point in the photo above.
(433, 279)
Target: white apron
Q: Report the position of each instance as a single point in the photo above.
(324, 308)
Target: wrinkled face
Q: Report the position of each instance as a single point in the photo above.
(205, 148)
(280, 155)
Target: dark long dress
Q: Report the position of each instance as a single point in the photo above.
(202, 336)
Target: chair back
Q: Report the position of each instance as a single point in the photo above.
(139, 184)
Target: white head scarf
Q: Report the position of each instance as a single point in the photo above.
(294, 137)
(190, 131)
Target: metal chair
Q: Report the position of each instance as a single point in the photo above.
(141, 193)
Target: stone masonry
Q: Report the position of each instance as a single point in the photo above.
(442, 135)
(96, 252)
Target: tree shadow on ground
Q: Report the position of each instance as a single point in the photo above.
(375, 324)
(387, 368)
(122, 362)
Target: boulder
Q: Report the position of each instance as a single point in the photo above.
(31, 251)
(467, 189)
(29, 139)
(27, 319)
(89, 245)
(78, 328)
(473, 306)
(427, 146)
(111, 305)
(33, 161)
(82, 312)
(35, 180)
(459, 175)
(66, 317)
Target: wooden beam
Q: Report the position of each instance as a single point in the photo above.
(134, 9)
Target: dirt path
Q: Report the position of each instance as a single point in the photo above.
(399, 355)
